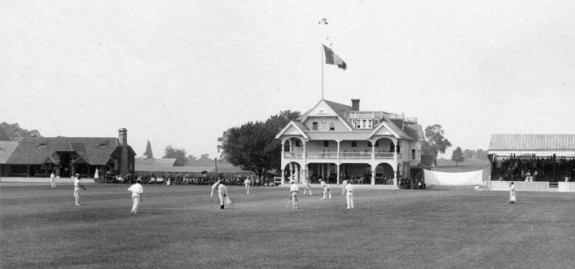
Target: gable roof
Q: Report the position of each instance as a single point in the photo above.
(295, 126)
(391, 127)
(532, 142)
(38, 150)
(6, 149)
(340, 111)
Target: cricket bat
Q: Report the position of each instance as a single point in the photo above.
(82, 186)
(228, 201)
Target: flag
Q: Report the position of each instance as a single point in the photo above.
(332, 58)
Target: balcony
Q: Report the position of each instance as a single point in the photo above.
(364, 155)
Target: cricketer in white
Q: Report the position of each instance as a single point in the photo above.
(137, 191)
(222, 192)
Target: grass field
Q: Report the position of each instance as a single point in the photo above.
(182, 227)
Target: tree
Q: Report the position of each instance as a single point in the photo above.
(468, 153)
(176, 153)
(253, 146)
(481, 154)
(434, 142)
(13, 131)
(457, 156)
(148, 154)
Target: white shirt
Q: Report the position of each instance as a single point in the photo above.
(76, 182)
(247, 182)
(349, 188)
(136, 190)
(294, 188)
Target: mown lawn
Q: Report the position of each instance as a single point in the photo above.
(182, 227)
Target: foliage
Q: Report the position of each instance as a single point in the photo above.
(457, 156)
(481, 154)
(204, 160)
(176, 153)
(435, 142)
(13, 131)
(148, 154)
(253, 146)
(468, 153)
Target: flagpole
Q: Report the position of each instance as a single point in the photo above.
(322, 52)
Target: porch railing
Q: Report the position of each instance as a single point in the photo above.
(342, 155)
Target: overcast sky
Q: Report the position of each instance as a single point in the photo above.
(180, 73)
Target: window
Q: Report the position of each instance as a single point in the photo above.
(332, 126)
(413, 154)
(377, 143)
(326, 144)
(298, 143)
(369, 143)
(353, 144)
(314, 126)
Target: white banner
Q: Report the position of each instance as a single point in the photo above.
(454, 179)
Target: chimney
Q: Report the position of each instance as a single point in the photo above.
(355, 104)
(124, 160)
(123, 136)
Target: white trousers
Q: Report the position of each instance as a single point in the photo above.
(136, 204)
(77, 195)
(350, 200)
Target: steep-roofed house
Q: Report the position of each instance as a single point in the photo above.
(336, 141)
(66, 156)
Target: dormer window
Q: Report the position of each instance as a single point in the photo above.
(314, 125)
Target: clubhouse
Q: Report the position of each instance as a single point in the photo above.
(339, 142)
(66, 156)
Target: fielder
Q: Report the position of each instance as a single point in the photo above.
(294, 190)
(222, 192)
(136, 191)
(349, 189)
(512, 197)
(326, 190)
(307, 187)
(77, 187)
(343, 185)
(247, 184)
(53, 180)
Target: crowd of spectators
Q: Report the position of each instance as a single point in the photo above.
(542, 169)
(189, 179)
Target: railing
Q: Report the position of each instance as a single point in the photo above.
(566, 186)
(519, 186)
(342, 155)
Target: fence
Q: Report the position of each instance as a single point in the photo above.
(566, 186)
(519, 186)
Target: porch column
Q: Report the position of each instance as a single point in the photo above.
(338, 172)
(298, 174)
(372, 151)
(337, 164)
(395, 164)
(305, 168)
(283, 154)
(283, 176)
(372, 175)
(291, 171)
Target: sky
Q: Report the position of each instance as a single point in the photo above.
(180, 73)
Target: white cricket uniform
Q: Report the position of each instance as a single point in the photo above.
(326, 190)
(307, 187)
(349, 189)
(294, 190)
(77, 190)
(247, 184)
(222, 192)
(53, 180)
(343, 185)
(512, 197)
(137, 191)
